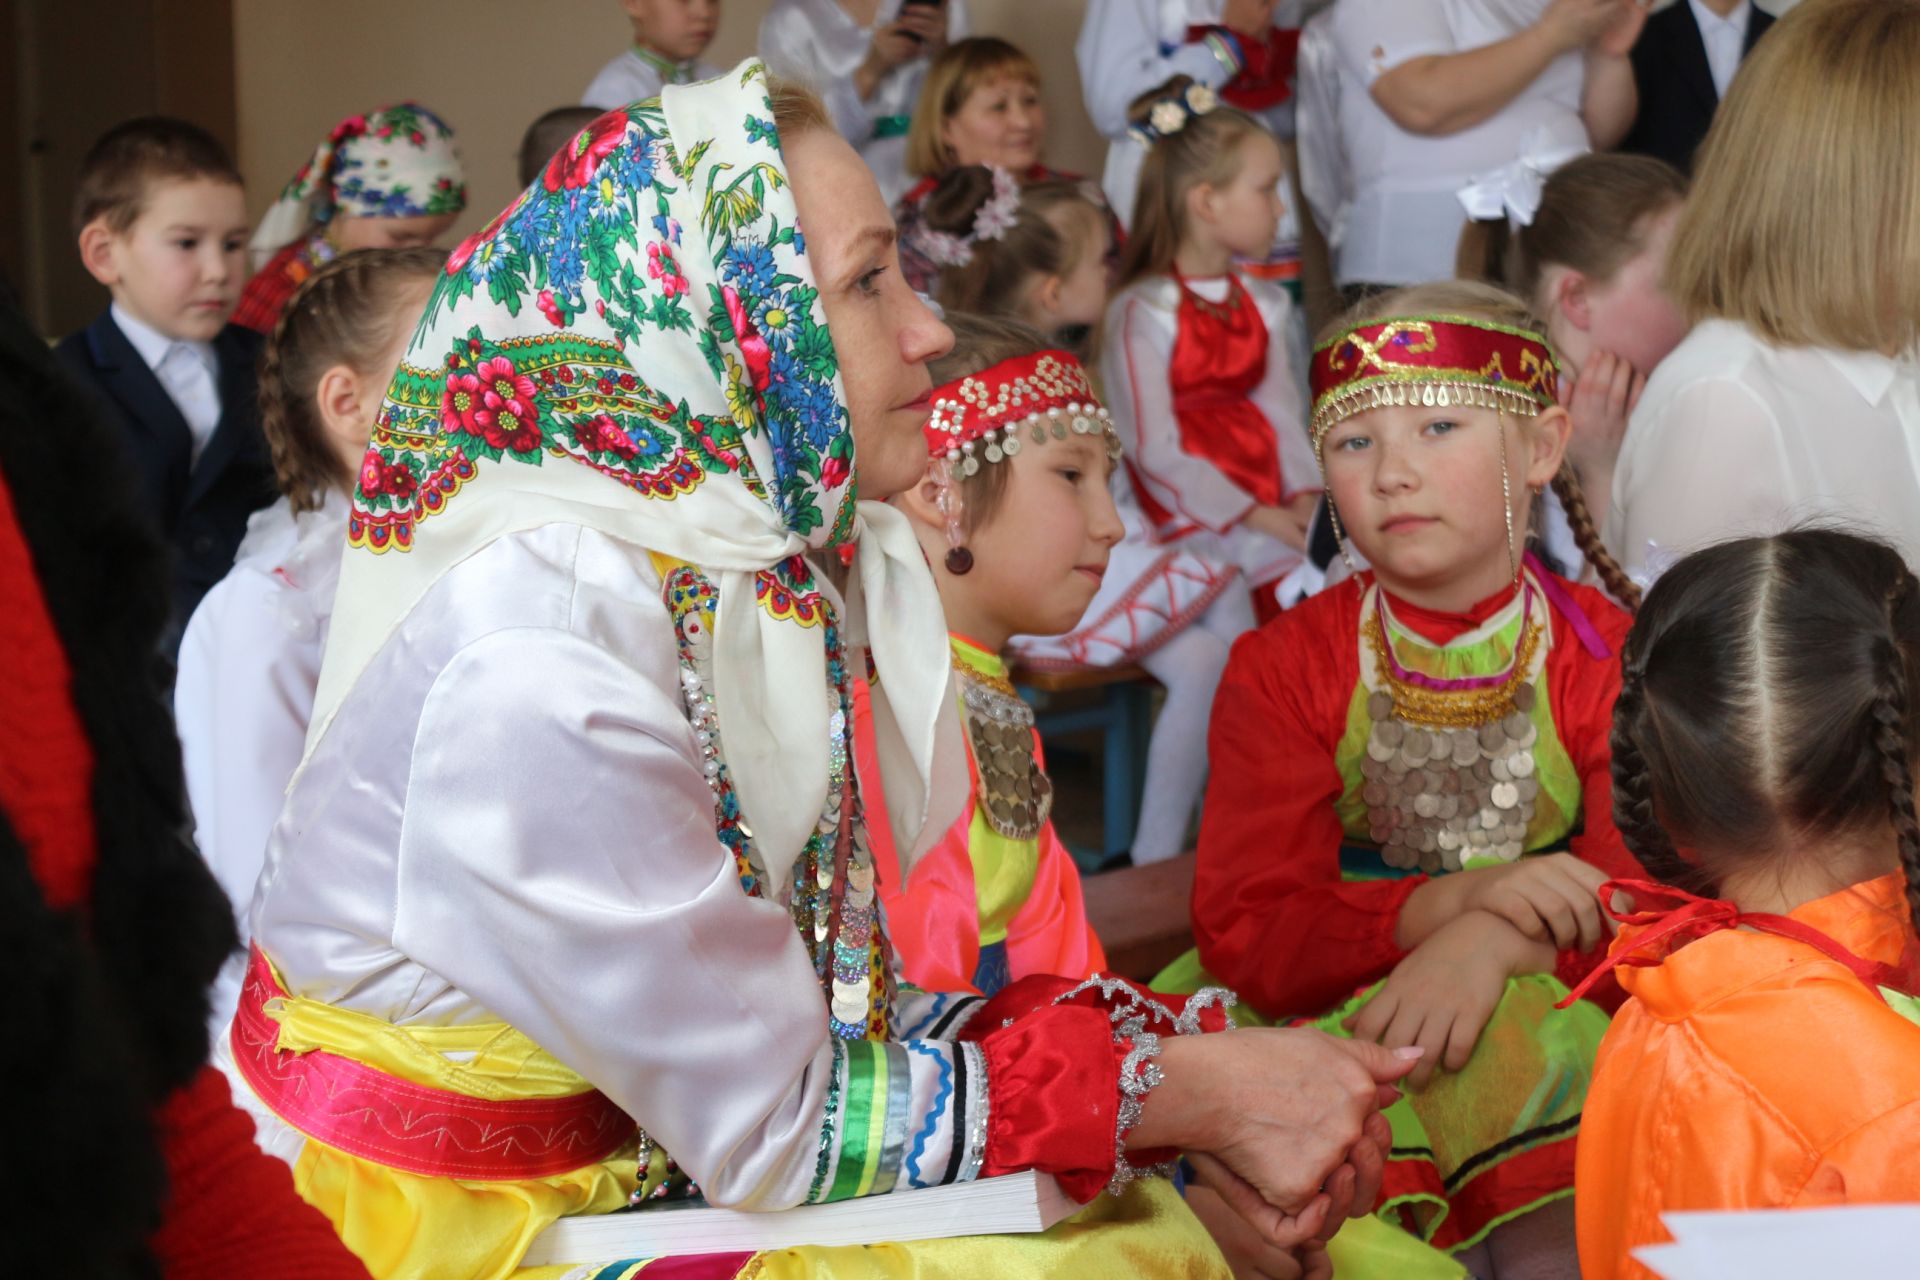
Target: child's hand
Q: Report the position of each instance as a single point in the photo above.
(1441, 995)
(1603, 399)
(1552, 898)
(1282, 522)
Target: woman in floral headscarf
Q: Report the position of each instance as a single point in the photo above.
(390, 179)
(575, 844)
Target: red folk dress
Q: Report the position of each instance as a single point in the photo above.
(1295, 912)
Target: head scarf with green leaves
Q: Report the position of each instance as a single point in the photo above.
(636, 345)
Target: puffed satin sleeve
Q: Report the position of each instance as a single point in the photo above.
(1281, 394)
(558, 864)
(555, 809)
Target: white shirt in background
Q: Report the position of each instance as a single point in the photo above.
(1725, 39)
(189, 372)
(1403, 225)
(249, 663)
(1735, 438)
(632, 78)
(814, 41)
(1129, 47)
(1326, 178)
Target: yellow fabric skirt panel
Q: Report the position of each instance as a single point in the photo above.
(1146, 1232)
(404, 1226)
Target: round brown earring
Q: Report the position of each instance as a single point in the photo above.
(959, 562)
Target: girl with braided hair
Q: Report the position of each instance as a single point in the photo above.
(1768, 1055)
(1408, 818)
(250, 657)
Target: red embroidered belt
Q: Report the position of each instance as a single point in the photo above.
(369, 1113)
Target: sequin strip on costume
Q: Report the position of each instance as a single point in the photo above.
(1449, 765)
(1015, 794)
(833, 900)
(1431, 361)
(984, 415)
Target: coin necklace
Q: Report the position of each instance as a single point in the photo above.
(1015, 795)
(1449, 770)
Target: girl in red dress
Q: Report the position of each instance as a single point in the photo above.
(1196, 361)
(1397, 759)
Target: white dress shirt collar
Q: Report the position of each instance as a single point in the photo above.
(1868, 372)
(154, 346)
(1725, 40)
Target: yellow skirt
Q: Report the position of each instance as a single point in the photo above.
(407, 1226)
(1146, 1231)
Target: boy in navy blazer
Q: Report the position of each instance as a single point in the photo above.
(1682, 65)
(162, 223)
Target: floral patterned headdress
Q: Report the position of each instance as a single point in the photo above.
(1432, 360)
(636, 345)
(397, 162)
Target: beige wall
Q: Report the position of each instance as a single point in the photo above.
(491, 66)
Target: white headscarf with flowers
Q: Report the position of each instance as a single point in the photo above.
(398, 161)
(636, 345)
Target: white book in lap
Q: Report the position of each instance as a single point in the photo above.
(1013, 1204)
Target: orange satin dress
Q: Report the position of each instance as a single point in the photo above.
(1752, 1071)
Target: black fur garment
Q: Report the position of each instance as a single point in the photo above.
(102, 1013)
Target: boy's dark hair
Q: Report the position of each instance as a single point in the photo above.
(129, 158)
(548, 134)
(1765, 706)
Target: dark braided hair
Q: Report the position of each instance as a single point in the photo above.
(1894, 732)
(346, 313)
(1573, 501)
(1764, 707)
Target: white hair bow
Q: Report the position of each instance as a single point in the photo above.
(1513, 192)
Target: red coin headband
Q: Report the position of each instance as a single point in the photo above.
(986, 414)
(1431, 361)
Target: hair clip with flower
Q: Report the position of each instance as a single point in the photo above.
(1169, 115)
(995, 217)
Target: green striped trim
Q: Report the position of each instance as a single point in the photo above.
(861, 1128)
(899, 1100)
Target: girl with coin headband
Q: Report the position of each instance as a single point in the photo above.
(1394, 759)
(1016, 515)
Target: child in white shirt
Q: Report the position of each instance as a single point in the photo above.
(250, 659)
(668, 38)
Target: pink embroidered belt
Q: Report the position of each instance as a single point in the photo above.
(369, 1113)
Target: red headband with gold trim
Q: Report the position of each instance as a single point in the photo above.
(986, 414)
(1432, 360)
